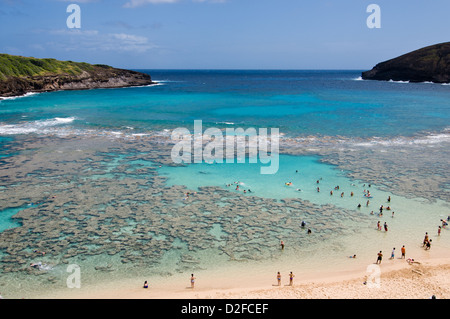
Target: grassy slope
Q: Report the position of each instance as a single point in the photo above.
(18, 66)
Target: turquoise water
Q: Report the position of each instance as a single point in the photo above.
(307, 174)
(298, 102)
(302, 171)
(314, 110)
(6, 222)
(6, 217)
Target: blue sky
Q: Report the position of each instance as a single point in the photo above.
(222, 34)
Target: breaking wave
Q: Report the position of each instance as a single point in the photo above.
(40, 126)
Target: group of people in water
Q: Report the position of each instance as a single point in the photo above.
(366, 194)
(426, 243)
(238, 187)
(403, 256)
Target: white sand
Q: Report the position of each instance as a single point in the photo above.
(398, 280)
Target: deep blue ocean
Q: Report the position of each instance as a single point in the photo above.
(324, 103)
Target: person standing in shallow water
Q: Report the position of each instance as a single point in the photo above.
(279, 278)
(425, 240)
(379, 257)
(291, 278)
(192, 280)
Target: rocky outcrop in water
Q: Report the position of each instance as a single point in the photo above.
(429, 64)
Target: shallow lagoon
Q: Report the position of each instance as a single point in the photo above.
(120, 212)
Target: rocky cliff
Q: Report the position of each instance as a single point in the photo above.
(19, 75)
(429, 64)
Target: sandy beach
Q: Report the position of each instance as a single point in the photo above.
(417, 281)
(398, 280)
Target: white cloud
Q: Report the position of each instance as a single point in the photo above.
(138, 3)
(75, 32)
(80, 1)
(93, 40)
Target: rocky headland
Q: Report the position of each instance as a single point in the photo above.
(21, 75)
(429, 64)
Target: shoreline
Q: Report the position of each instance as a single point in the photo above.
(397, 280)
(30, 93)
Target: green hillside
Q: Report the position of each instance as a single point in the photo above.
(18, 66)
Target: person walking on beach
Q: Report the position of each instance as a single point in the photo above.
(192, 281)
(291, 278)
(393, 253)
(403, 252)
(279, 278)
(379, 257)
